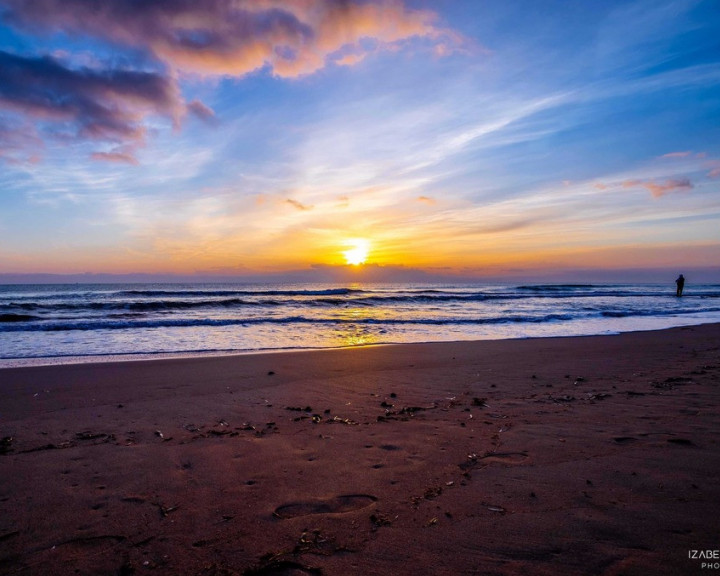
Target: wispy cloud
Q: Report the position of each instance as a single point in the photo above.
(298, 205)
(19, 142)
(658, 189)
(121, 157)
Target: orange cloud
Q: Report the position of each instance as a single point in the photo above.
(350, 59)
(236, 37)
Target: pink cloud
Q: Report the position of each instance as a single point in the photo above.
(662, 189)
(201, 110)
(677, 155)
(95, 104)
(236, 37)
(19, 143)
(121, 157)
(288, 38)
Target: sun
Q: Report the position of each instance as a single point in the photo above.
(358, 254)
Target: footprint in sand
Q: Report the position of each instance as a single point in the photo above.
(336, 505)
(281, 568)
(505, 457)
(681, 441)
(624, 439)
(508, 458)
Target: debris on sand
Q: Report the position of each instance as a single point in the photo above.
(6, 444)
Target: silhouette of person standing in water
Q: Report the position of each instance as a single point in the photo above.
(680, 284)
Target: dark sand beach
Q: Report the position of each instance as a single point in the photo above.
(590, 455)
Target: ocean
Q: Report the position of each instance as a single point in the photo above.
(41, 324)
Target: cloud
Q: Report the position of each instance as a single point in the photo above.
(658, 190)
(677, 154)
(178, 39)
(236, 37)
(298, 205)
(121, 157)
(349, 59)
(201, 110)
(426, 200)
(105, 105)
(713, 167)
(18, 142)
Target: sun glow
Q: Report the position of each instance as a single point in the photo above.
(358, 254)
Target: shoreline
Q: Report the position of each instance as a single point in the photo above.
(561, 455)
(26, 362)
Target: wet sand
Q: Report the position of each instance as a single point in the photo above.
(589, 455)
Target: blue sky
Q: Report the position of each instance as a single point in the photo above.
(465, 138)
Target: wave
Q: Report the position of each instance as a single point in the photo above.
(166, 293)
(227, 303)
(654, 312)
(27, 323)
(335, 297)
(141, 306)
(488, 297)
(555, 287)
(124, 324)
(181, 306)
(17, 317)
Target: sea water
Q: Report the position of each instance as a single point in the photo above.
(68, 323)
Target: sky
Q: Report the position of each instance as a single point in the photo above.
(373, 139)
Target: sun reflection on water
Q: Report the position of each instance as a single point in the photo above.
(354, 331)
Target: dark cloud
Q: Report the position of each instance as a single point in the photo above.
(107, 105)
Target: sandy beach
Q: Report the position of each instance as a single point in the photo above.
(590, 455)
